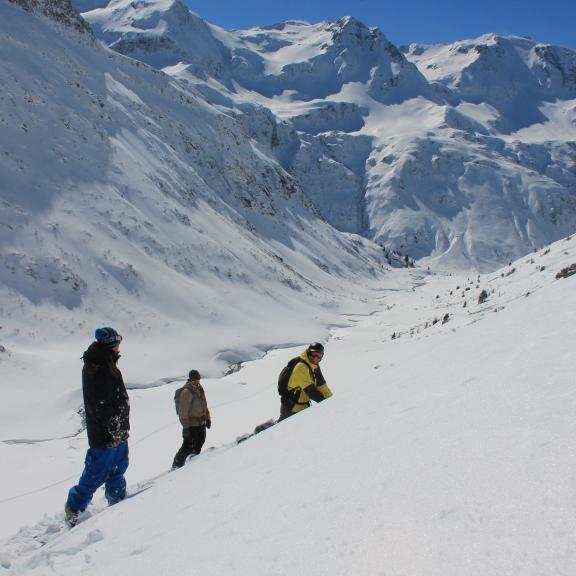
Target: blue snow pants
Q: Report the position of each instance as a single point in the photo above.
(102, 466)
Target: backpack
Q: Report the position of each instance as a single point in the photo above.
(284, 376)
(177, 399)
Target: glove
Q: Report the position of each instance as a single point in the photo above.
(208, 423)
(115, 440)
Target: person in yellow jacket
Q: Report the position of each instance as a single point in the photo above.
(306, 382)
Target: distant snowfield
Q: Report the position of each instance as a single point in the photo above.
(559, 124)
(446, 450)
(303, 46)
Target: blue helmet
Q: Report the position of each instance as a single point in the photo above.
(108, 337)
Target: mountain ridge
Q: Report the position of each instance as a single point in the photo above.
(334, 86)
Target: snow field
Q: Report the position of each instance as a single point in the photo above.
(441, 453)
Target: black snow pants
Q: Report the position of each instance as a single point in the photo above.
(193, 440)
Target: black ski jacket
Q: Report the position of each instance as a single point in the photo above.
(105, 398)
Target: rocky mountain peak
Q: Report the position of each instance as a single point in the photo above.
(349, 31)
(557, 66)
(60, 11)
(161, 33)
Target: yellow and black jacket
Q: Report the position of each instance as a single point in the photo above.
(306, 383)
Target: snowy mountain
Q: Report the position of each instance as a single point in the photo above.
(447, 449)
(128, 198)
(461, 154)
(472, 70)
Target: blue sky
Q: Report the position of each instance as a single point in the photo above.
(406, 21)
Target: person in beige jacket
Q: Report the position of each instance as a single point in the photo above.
(194, 417)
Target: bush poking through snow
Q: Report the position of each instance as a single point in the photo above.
(565, 272)
(482, 297)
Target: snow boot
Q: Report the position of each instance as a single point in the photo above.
(71, 516)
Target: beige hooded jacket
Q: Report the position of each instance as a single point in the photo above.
(193, 408)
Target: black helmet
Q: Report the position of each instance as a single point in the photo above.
(193, 375)
(316, 347)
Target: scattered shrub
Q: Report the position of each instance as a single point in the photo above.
(482, 297)
(565, 272)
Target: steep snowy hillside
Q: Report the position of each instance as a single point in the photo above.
(447, 449)
(469, 161)
(129, 200)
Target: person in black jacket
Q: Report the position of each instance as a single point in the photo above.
(107, 411)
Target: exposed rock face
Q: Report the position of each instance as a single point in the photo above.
(60, 11)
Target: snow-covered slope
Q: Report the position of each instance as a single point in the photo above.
(469, 160)
(447, 449)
